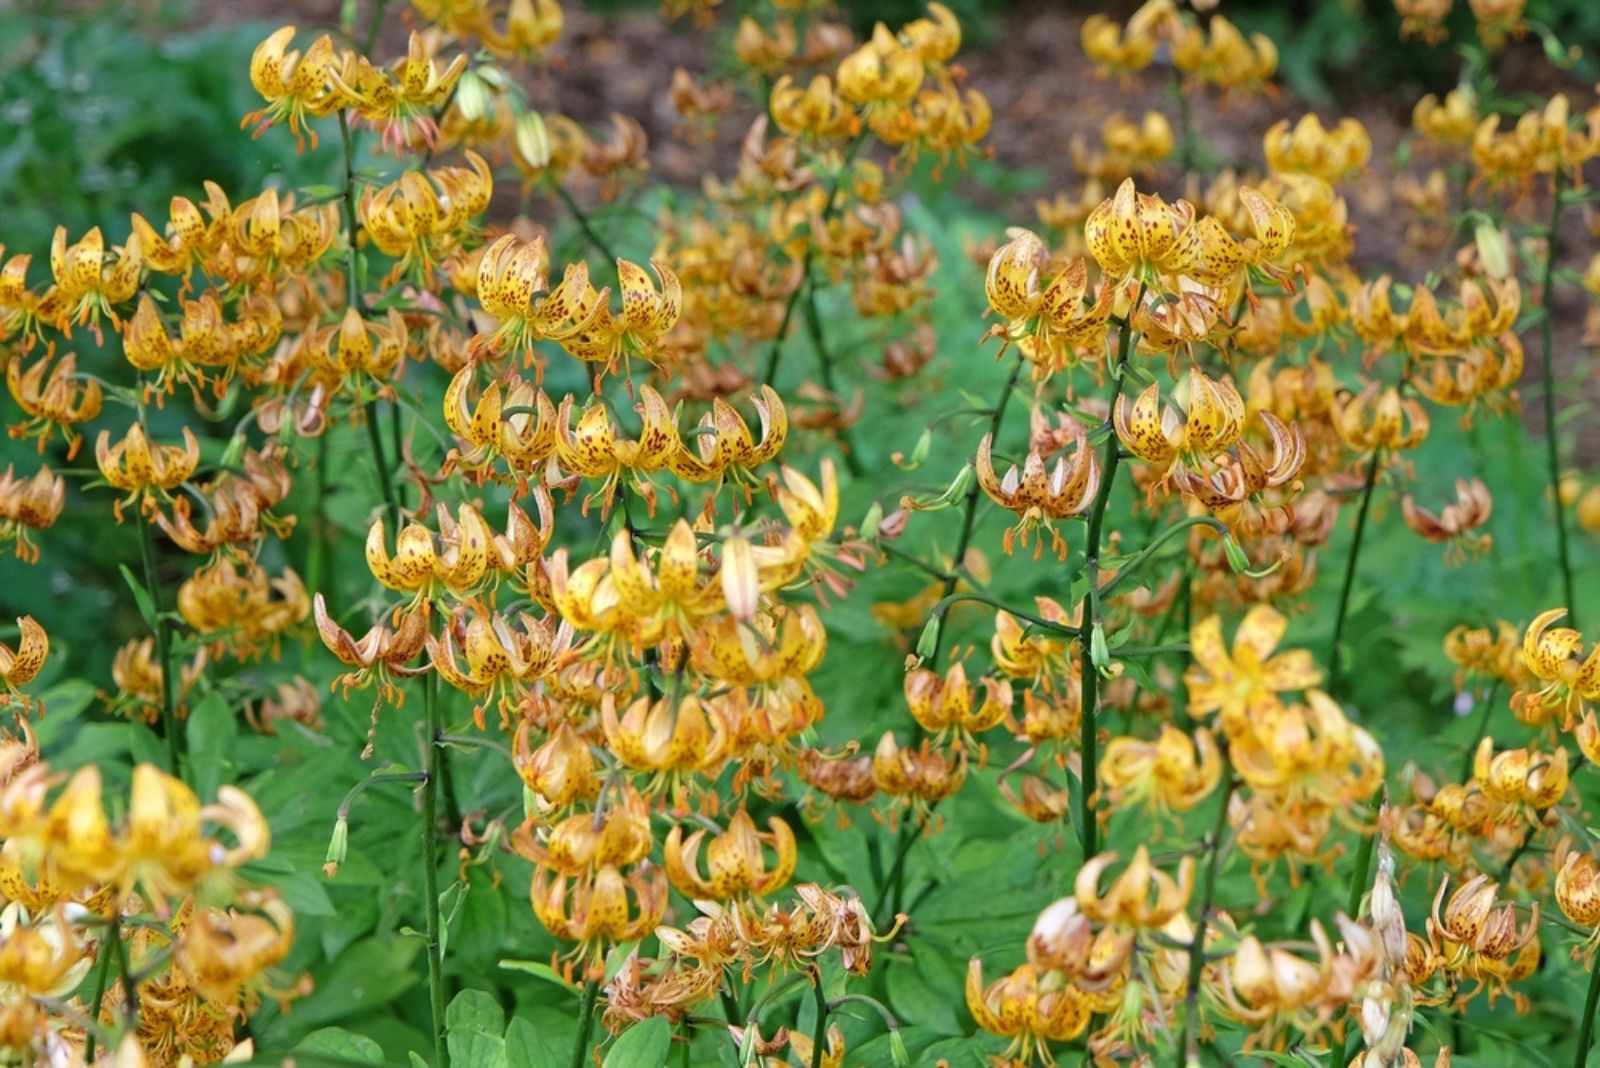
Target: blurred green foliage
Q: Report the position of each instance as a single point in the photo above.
(116, 108)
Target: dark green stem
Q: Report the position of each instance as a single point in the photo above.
(391, 503)
(352, 285)
(430, 866)
(1547, 370)
(819, 1034)
(1189, 1048)
(895, 881)
(580, 1045)
(1088, 831)
(819, 342)
(1189, 143)
(1358, 883)
(169, 696)
(969, 513)
(1586, 1026)
(1334, 661)
(582, 219)
(353, 300)
(317, 556)
(130, 989)
(1131, 568)
(770, 373)
(374, 24)
(1483, 727)
(1358, 889)
(102, 974)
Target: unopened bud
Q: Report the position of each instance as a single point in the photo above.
(532, 139)
(1099, 651)
(338, 847)
(1236, 555)
(928, 643)
(472, 96)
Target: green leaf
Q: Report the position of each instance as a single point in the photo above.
(534, 967)
(373, 972)
(337, 1042)
(145, 747)
(475, 1024)
(915, 1001)
(643, 1044)
(141, 597)
(212, 732)
(526, 1047)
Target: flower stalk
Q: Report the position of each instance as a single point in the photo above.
(1189, 1048)
(1548, 376)
(430, 865)
(1348, 585)
(1586, 1024)
(163, 640)
(1088, 831)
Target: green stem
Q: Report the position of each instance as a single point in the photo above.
(430, 866)
(1483, 727)
(1586, 1027)
(969, 514)
(1358, 888)
(352, 286)
(1131, 568)
(102, 973)
(819, 342)
(352, 296)
(1089, 691)
(580, 1046)
(130, 989)
(1188, 142)
(819, 1035)
(895, 883)
(317, 557)
(775, 352)
(374, 24)
(582, 219)
(1547, 362)
(1189, 1048)
(169, 717)
(391, 503)
(1350, 571)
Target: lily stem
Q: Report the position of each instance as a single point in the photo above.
(1088, 830)
(775, 351)
(1339, 620)
(581, 217)
(169, 717)
(1586, 1028)
(430, 866)
(317, 556)
(580, 1046)
(1547, 368)
(1189, 1048)
(819, 342)
(352, 296)
(102, 974)
(895, 882)
(819, 1035)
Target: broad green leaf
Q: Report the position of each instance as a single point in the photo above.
(527, 1048)
(475, 1026)
(337, 1042)
(642, 1044)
